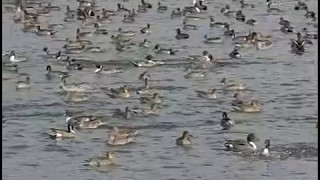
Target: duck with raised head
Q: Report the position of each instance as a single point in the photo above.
(235, 54)
(300, 6)
(145, 43)
(118, 113)
(240, 16)
(99, 31)
(253, 107)
(127, 19)
(146, 4)
(181, 35)
(208, 95)
(45, 32)
(284, 22)
(146, 29)
(122, 92)
(228, 86)
(121, 8)
(228, 31)
(105, 160)
(161, 8)
(176, 13)
(266, 150)
(160, 50)
(115, 139)
(141, 9)
(155, 99)
(226, 123)
(240, 145)
(297, 46)
(24, 84)
(60, 74)
(237, 101)
(71, 65)
(61, 133)
(185, 139)
(13, 58)
(83, 34)
(213, 23)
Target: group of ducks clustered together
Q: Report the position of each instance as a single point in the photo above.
(91, 16)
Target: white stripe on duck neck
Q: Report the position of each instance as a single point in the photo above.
(68, 119)
(253, 145)
(98, 69)
(265, 151)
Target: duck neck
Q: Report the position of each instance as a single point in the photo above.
(146, 83)
(253, 145)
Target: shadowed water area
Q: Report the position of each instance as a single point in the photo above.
(286, 85)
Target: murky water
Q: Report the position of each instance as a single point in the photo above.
(286, 84)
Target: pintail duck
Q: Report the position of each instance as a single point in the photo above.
(177, 13)
(160, 50)
(123, 132)
(148, 63)
(284, 22)
(45, 32)
(195, 74)
(91, 124)
(119, 139)
(226, 122)
(121, 8)
(161, 8)
(155, 99)
(209, 40)
(251, 22)
(74, 50)
(237, 101)
(153, 110)
(240, 17)
(310, 14)
(208, 95)
(50, 72)
(200, 5)
(309, 35)
(266, 150)
(126, 33)
(286, 29)
(81, 87)
(217, 24)
(145, 4)
(254, 106)
(244, 5)
(54, 55)
(24, 84)
(83, 34)
(105, 160)
(235, 54)
(181, 35)
(297, 46)
(145, 43)
(61, 133)
(204, 57)
(185, 139)
(13, 58)
(188, 26)
(144, 75)
(126, 114)
(241, 144)
(232, 86)
(141, 9)
(301, 6)
(72, 65)
(76, 97)
(228, 31)
(99, 31)
(146, 29)
(69, 11)
(100, 70)
(127, 19)
(122, 92)
(28, 15)
(273, 9)
(146, 89)
(227, 12)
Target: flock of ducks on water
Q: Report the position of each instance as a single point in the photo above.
(91, 16)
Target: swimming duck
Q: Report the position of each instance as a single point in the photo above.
(69, 12)
(76, 97)
(94, 49)
(194, 74)
(263, 44)
(146, 29)
(309, 35)
(72, 65)
(232, 86)
(212, 39)
(127, 19)
(13, 58)
(208, 95)
(115, 139)
(83, 34)
(151, 100)
(251, 22)
(286, 29)
(74, 50)
(273, 9)
(189, 26)
(244, 5)
(100, 70)
(45, 32)
(103, 19)
(57, 73)
(200, 5)
(61, 133)
(160, 50)
(119, 114)
(241, 144)
(204, 57)
(177, 13)
(161, 8)
(227, 12)
(48, 54)
(265, 151)
(310, 14)
(240, 17)
(24, 84)
(90, 124)
(225, 9)
(52, 8)
(297, 46)
(80, 87)
(284, 22)
(126, 33)
(145, 89)
(105, 160)
(226, 122)
(122, 92)
(153, 110)
(228, 31)
(86, 4)
(185, 139)
(235, 54)
(100, 31)
(254, 106)
(181, 35)
(148, 63)
(145, 4)
(141, 9)
(237, 101)
(217, 24)
(301, 6)
(145, 43)
(28, 15)
(274, 3)
(121, 8)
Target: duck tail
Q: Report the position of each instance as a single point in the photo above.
(134, 63)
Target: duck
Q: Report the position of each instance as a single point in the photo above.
(48, 54)
(232, 86)
(146, 29)
(24, 84)
(286, 29)
(243, 38)
(127, 19)
(45, 32)
(52, 8)
(284, 22)
(61, 133)
(210, 40)
(115, 139)
(189, 26)
(227, 12)
(69, 11)
(50, 72)
(126, 33)
(88, 22)
(105, 160)
(86, 4)
(161, 8)
(263, 44)
(274, 3)
(148, 63)
(141, 9)
(76, 97)
(83, 34)
(99, 31)
(121, 8)
(251, 22)
(266, 150)
(160, 50)
(240, 17)
(203, 57)
(309, 35)
(244, 5)
(273, 9)
(80, 87)
(120, 114)
(145, 4)
(297, 46)
(181, 35)
(123, 131)
(74, 50)
(185, 139)
(94, 49)
(208, 95)
(90, 124)
(28, 15)
(145, 43)
(217, 24)
(13, 58)
(195, 74)
(226, 123)
(237, 101)
(235, 54)
(228, 31)
(103, 19)
(310, 14)
(177, 13)
(122, 92)
(72, 65)
(153, 110)
(240, 145)
(301, 6)
(253, 107)
(100, 70)
(200, 5)
(145, 89)
(155, 99)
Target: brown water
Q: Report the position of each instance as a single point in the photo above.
(285, 83)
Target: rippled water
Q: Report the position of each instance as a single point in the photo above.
(286, 84)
